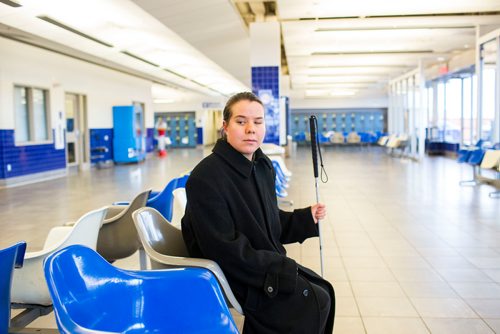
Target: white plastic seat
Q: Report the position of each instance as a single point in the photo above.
(28, 285)
(165, 248)
(353, 138)
(270, 149)
(180, 200)
(337, 138)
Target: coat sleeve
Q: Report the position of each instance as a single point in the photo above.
(214, 229)
(297, 226)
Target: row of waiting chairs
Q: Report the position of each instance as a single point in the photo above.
(154, 239)
(394, 142)
(90, 295)
(334, 137)
(485, 165)
(161, 241)
(113, 234)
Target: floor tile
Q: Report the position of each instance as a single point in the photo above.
(348, 325)
(486, 308)
(385, 307)
(394, 325)
(457, 326)
(443, 308)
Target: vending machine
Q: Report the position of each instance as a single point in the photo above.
(129, 134)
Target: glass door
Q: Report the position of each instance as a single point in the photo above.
(76, 129)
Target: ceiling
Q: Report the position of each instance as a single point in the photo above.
(353, 48)
(331, 49)
(117, 34)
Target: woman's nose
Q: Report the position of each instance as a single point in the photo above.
(250, 128)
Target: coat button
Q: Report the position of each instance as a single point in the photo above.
(305, 292)
(270, 289)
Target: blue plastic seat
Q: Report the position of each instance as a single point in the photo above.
(181, 181)
(474, 159)
(463, 155)
(10, 258)
(92, 296)
(280, 175)
(164, 201)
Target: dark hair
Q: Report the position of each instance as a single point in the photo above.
(243, 96)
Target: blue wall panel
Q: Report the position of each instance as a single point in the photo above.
(28, 159)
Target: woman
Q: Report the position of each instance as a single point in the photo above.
(232, 217)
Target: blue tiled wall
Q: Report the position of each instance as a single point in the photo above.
(265, 82)
(150, 133)
(101, 138)
(2, 164)
(28, 159)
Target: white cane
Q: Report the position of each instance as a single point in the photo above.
(314, 148)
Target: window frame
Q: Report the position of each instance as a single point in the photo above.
(31, 116)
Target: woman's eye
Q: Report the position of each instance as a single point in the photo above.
(240, 122)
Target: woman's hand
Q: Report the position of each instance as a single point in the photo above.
(318, 212)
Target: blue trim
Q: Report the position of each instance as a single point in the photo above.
(28, 159)
(101, 139)
(199, 131)
(150, 146)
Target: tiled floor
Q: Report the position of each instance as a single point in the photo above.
(407, 249)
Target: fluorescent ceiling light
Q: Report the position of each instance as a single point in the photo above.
(328, 92)
(381, 52)
(343, 92)
(395, 28)
(12, 3)
(163, 101)
(349, 70)
(346, 78)
(358, 66)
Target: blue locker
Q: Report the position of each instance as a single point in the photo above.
(129, 143)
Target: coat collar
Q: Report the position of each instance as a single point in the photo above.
(237, 160)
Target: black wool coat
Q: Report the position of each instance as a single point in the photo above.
(232, 217)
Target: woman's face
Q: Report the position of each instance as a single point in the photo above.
(245, 130)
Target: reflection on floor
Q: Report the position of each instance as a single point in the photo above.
(406, 248)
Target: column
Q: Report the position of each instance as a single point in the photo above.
(265, 59)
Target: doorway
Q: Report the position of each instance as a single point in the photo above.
(76, 131)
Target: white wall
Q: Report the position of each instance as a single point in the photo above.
(27, 65)
(367, 102)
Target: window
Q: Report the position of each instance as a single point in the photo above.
(31, 114)
(453, 111)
